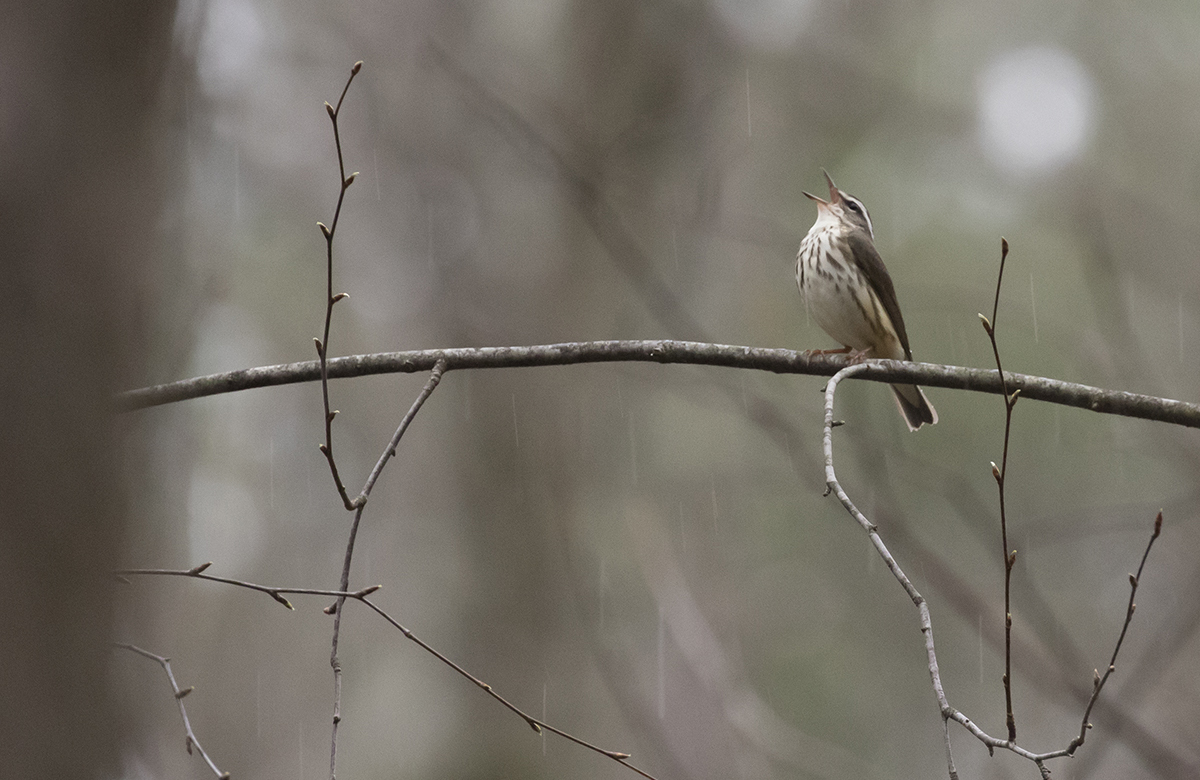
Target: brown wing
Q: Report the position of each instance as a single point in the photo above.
(871, 265)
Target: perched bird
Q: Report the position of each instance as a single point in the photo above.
(849, 293)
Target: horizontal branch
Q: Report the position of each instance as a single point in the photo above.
(197, 572)
(780, 361)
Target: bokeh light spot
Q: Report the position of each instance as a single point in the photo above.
(1036, 109)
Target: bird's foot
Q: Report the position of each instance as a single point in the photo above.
(857, 356)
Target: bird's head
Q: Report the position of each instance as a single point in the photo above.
(844, 208)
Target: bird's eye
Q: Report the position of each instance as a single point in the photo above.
(852, 206)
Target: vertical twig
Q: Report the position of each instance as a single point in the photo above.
(330, 298)
(1010, 557)
(359, 503)
(951, 769)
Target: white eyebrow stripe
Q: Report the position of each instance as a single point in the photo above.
(866, 215)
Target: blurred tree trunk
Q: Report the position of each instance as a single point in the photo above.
(79, 206)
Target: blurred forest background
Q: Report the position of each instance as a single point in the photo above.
(641, 554)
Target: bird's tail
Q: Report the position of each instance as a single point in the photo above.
(914, 406)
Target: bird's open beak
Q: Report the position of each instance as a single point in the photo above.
(810, 196)
(833, 190)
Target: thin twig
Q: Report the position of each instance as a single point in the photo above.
(1098, 681)
(197, 572)
(435, 376)
(190, 736)
(949, 750)
(779, 361)
(362, 596)
(1010, 557)
(534, 723)
(948, 712)
(360, 503)
(330, 298)
(1049, 678)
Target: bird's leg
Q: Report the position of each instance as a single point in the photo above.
(817, 352)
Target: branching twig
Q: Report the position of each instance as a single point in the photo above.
(1010, 557)
(190, 736)
(1098, 680)
(948, 712)
(360, 503)
(967, 602)
(330, 298)
(362, 596)
(926, 623)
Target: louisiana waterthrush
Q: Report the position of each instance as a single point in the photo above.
(848, 291)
